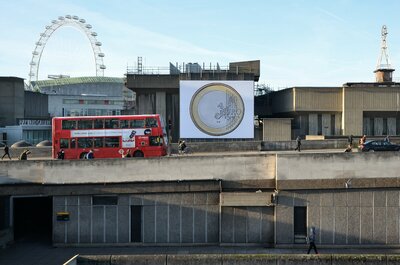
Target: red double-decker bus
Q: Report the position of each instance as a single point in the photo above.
(109, 136)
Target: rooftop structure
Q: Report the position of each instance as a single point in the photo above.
(384, 70)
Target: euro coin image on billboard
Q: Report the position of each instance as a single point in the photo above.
(222, 109)
(226, 105)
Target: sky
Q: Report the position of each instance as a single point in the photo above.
(298, 42)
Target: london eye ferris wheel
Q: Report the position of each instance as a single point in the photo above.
(75, 22)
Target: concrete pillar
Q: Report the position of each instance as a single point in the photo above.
(161, 104)
(312, 124)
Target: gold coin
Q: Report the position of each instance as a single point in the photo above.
(216, 109)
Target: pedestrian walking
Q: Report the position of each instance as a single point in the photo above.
(350, 140)
(311, 240)
(6, 152)
(90, 155)
(24, 155)
(298, 144)
(61, 154)
(387, 138)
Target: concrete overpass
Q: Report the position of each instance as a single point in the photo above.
(255, 198)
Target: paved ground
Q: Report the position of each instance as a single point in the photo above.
(35, 253)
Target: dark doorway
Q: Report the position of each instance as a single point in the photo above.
(136, 223)
(300, 224)
(33, 218)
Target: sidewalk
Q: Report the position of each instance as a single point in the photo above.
(34, 253)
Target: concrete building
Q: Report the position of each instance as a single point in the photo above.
(157, 91)
(86, 96)
(26, 115)
(354, 108)
(23, 114)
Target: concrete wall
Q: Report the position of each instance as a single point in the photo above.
(277, 129)
(239, 259)
(318, 99)
(247, 225)
(338, 166)
(167, 218)
(342, 217)
(305, 144)
(238, 167)
(229, 167)
(11, 100)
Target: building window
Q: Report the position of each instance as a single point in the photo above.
(105, 200)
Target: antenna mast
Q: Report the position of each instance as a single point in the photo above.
(383, 61)
(384, 70)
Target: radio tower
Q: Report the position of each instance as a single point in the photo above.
(384, 70)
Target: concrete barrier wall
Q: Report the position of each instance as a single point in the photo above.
(239, 259)
(245, 167)
(36, 152)
(236, 167)
(338, 166)
(305, 144)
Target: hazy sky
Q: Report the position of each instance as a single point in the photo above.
(299, 42)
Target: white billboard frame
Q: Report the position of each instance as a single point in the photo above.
(216, 109)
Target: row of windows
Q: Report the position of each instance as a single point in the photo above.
(108, 124)
(36, 136)
(93, 102)
(97, 142)
(100, 142)
(91, 112)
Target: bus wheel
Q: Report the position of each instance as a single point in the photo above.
(138, 154)
(82, 155)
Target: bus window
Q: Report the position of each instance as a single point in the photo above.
(123, 124)
(73, 143)
(98, 142)
(63, 143)
(155, 141)
(137, 124)
(85, 124)
(98, 124)
(111, 124)
(151, 122)
(85, 142)
(68, 125)
(111, 142)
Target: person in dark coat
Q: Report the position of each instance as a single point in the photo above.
(24, 155)
(90, 155)
(311, 240)
(298, 144)
(6, 152)
(350, 140)
(61, 154)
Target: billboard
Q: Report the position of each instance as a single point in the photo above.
(216, 109)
